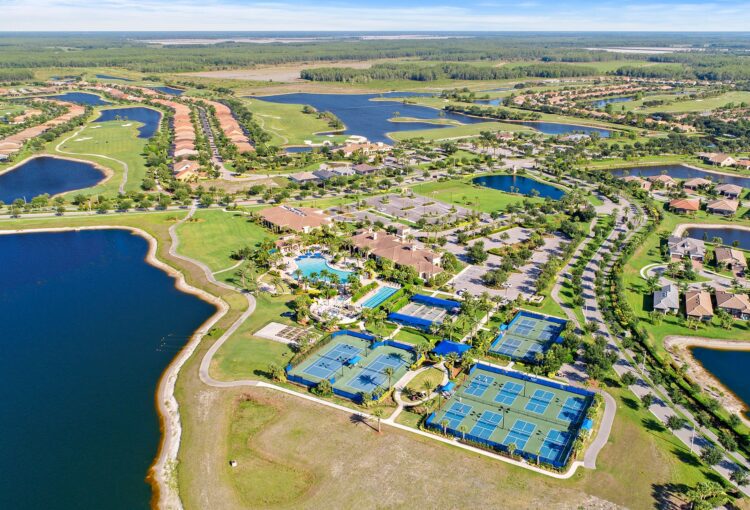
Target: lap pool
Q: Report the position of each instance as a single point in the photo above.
(379, 296)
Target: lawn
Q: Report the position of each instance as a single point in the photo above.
(459, 131)
(699, 105)
(212, 235)
(412, 336)
(113, 139)
(288, 125)
(462, 192)
(432, 375)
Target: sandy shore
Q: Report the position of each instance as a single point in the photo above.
(679, 347)
(161, 475)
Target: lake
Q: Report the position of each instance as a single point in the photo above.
(149, 117)
(519, 184)
(110, 77)
(80, 98)
(169, 90)
(558, 128)
(729, 367)
(682, 172)
(601, 103)
(46, 174)
(88, 329)
(728, 235)
(492, 102)
(371, 118)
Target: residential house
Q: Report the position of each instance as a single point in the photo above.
(343, 171)
(642, 183)
(681, 247)
(667, 299)
(685, 205)
(731, 258)
(364, 169)
(304, 177)
(186, 170)
(696, 183)
(723, 206)
(324, 175)
(664, 180)
(698, 305)
(737, 305)
(730, 190)
(717, 158)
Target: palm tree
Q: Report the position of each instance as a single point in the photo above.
(378, 413)
(462, 430)
(388, 372)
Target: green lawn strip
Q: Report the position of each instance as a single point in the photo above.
(432, 375)
(459, 131)
(699, 105)
(473, 196)
(212, 235)
(412, 336)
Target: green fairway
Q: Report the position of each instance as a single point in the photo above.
(212, 235)
(459, 131)
(699, 105)
(462, 192)
(288, 125)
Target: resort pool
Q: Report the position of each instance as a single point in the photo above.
(380, 295)
(149, 117)
(46, 174)
(519, 184)
(312, 265)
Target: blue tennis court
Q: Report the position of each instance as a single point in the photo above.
(554, 446)
(486, 425)
(456, 414)
(572, 409)
(508, 393)
(539, 401)
(479, 385)
(508, 346)
(520, 434)
(372, 376)
(328, 363)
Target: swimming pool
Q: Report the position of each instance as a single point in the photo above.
(315, 263)
(380, 295)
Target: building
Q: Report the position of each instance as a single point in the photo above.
(402, 253)
(698, 305)
(737, 305)
(681, 247)
(667, 299)
(642, 183)
(324, 175)
(231, 128)
(364, 169)
(304, 177)
(696, 183)
(717, 158)
(730, 190)
(343, 171)
(297, 219)
(186, 170)
(664, 180)
(364, 148)
(731, 258)
(723, 206)
(685, 205)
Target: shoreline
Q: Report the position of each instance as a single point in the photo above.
(682, 227)
(680, 348)
(107, 173)
(165, 494)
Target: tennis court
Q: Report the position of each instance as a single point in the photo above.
(354, 363)
(527, 335)
(423, 311)
(497, 407)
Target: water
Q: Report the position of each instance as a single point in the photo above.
(521, 184)
(109, 77)
(380, 295)
(316, 263)
(46, 174)
(81, 98)
(149, 117)
(728, 235)
(601, 103)
(682, 172)
(557, 128)
(370, 118)
(88, 329)
(729, 367)
(293, 150)
(169, 90)
(492, 102)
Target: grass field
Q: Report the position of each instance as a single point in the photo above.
(699, 105)
(462, 192)
(213, 235)
(432, 375)
(459, 131)
(115, 139)
(288, 125)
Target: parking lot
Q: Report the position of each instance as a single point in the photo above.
(413, 208)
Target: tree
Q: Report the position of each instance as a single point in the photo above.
(628, 379)
(389, 373)
(707, 495)
(740, 476)
(675, 422)
(711, 455)
(647, 400)
(378, 413)
(477, 253)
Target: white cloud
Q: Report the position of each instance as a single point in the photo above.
(191, 15)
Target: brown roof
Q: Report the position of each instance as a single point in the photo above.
(13, 143)
(698, 303)
(664, 179)
(231, 128)
(723, 204)
(696, 182)
(725, 254)
(731, 189)
(390, 247)
(686, 204)
(295, 218)
(732, 301)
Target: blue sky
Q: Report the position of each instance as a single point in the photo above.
(404, 15)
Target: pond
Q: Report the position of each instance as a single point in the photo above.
(110, 77)
(558, 128)
(682, 172)
(169, 90)
(601, 103)
(492, 102)
(47, 174)
(80, 98)
(728, 235)
(519, 184)
(149, 117)
(368, 118)
(88, 329)
(729, 367)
